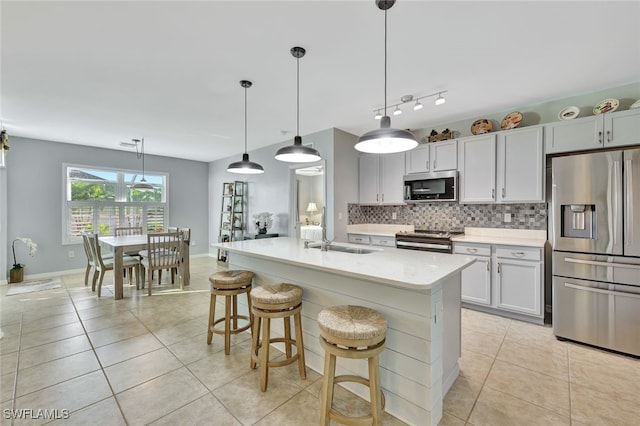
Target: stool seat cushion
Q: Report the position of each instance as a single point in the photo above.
(277, 294)
(230, 279)
(352, 322)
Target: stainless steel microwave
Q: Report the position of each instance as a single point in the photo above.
(431, 187)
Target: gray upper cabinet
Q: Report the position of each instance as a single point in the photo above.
(380, 178)
(598, 131)
(477, 169)
(507, 167)
(432, 157)
(520, 166)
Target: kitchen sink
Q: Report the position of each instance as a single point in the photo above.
(345, 249)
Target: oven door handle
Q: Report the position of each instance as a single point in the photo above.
(422, 245)
(600, 263)
(602, 291)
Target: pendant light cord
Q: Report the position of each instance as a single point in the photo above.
(142, 149)
(298, 96)
(385, 62)
(245, 120)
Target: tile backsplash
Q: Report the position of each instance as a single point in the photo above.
(447, 216)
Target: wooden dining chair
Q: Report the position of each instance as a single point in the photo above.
(186, 240)
(129, 230)
(103, 265)
(164, 251)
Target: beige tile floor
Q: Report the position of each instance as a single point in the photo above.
(144, 360)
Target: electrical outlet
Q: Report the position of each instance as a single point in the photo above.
(507, 217)
(339, 215)
(394, 216)
(72, 254)
(193, 242)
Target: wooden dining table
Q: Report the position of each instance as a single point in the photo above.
(132, 243)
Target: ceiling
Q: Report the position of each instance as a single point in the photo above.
(100, 73)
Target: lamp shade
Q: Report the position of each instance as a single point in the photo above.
(297, 153)
(143, 185)
(386, 140)
(312, 208)
(245, 166)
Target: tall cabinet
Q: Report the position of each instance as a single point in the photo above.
(232, 215)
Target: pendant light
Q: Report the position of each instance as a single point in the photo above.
(245, 166)
(386, 140)
(142, 185)
(298, 153)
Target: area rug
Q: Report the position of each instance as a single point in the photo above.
(34, 285)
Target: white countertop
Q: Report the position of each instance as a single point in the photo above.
(396, 267)
(513, 237)
(382, 229)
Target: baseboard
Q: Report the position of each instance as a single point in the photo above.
(79, 271)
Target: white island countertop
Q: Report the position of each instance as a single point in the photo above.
(418, 270)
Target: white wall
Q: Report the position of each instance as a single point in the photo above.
(34, 197)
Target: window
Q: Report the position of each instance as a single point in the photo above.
(99, 200)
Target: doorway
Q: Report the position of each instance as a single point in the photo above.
(308, 198)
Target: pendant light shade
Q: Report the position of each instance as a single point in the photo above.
(386, 140)
(143, 185)
(245, 166)
(298, 153)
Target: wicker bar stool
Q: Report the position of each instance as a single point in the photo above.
(229, 284)
(277, 301)
(354, 332)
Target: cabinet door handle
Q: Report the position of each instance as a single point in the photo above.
(377, 197)
(608, 136)
(383, 198)
(498, 268)
(599, 137)
(358, 239)
(487, 266)
(517, 253)
(434, 164)
(503, 193)
(493, 194)
(427, 165)
(472, 250)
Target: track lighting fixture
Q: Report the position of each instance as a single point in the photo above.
(418, 105)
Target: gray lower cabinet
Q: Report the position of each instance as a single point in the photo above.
(374, 240)
(506, 280)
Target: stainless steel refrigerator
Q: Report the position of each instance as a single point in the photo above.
(595, 235)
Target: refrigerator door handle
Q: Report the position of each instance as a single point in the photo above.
(599, 263)
(601, 291)
(628, 183)
(615, 201)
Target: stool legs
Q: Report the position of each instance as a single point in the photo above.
(264, 354)
(327, 387)
(297, 318)
(212, 314)
(261, 340)
(374, 389)
(230, 318)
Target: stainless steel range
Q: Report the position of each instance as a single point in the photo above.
(427, 240)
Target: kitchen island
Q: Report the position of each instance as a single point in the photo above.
(418, 292)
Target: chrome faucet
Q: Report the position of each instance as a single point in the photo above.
(325, 242)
